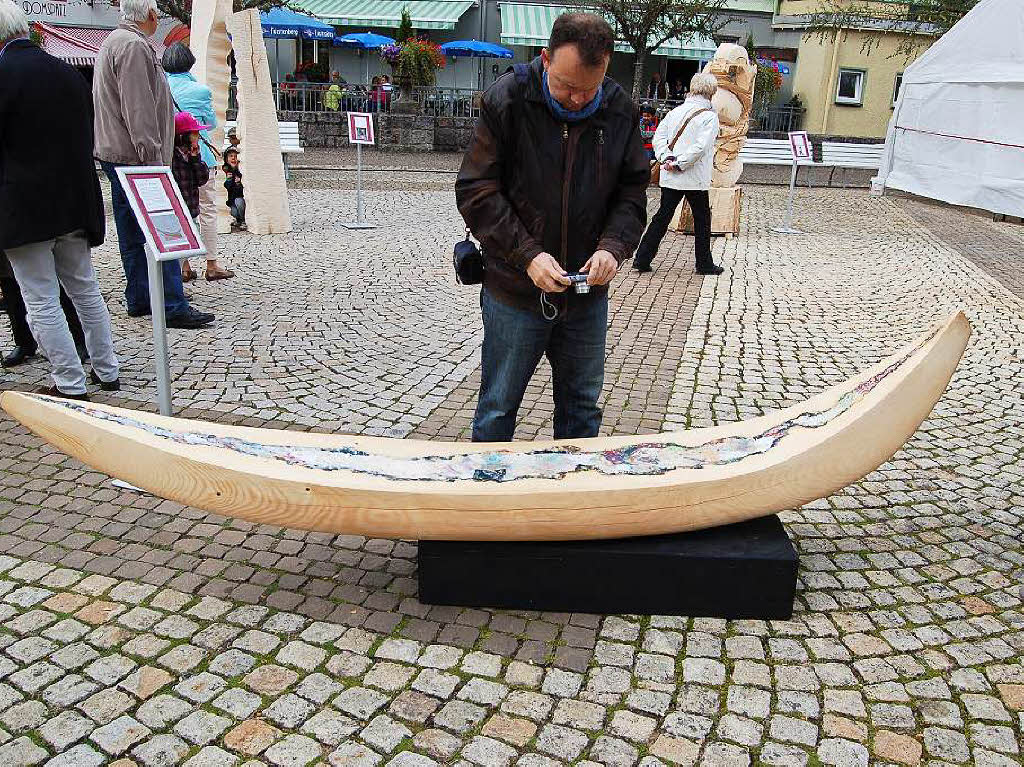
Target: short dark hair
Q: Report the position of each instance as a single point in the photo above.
(592, 36)
(177, 59)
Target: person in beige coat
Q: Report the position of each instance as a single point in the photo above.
(686, 167)
(134, 125)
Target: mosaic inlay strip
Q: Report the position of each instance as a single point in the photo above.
(649, 458)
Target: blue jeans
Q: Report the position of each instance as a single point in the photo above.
(514, 341)
(132, 244)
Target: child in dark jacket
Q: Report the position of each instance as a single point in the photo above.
(190, 172)
(233, 183)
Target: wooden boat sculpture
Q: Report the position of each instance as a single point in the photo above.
(568, 490)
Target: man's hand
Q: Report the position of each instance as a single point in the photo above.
(600, 268)
(547, 274)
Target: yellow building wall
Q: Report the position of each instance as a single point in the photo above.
(815, 82)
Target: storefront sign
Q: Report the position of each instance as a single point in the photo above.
(72, 12)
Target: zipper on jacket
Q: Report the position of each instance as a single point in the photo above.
(600, 158)
(570, 141)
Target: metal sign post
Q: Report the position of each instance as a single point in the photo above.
(360, 131)
(800, 146)
(160, 359)
(170, 235)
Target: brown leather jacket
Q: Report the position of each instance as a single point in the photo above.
(530, 184)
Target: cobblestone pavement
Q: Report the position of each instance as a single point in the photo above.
(136, 631)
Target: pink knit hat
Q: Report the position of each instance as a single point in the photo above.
(184, 122)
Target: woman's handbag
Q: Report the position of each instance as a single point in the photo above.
(468, 262)
(655, 165)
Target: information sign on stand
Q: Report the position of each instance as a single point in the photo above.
(360, 131)
(800, 147)
(170, 235)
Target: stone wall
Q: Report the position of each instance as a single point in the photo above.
(407, 133)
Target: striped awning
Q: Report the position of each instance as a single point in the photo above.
(425, 14)
(76, 45)
(530, 24)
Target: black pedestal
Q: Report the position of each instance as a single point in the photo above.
(746, 570)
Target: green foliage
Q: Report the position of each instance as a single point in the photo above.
(405, 30)
(415, 61)
(182, 9)
(751, 50)
(36, 36)
(917, 23)
(647, 24)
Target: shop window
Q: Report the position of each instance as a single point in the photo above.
(850, 88)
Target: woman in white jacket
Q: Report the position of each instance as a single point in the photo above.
(685, 172)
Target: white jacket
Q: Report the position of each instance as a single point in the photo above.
(695, 149)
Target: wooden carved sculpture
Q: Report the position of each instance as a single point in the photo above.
(604, 487)
(211, 46)
(733, 102)
(266, 199)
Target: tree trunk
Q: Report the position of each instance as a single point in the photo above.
(638, 77)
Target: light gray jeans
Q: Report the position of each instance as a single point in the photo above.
(38, 267)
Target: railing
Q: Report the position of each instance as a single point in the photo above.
(779, 118)
(447, 102)
(433, 101)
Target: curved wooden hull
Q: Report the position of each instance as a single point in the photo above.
(568, 490)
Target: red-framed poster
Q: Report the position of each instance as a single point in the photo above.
(800, 145)
(360, 128)
(161, 212)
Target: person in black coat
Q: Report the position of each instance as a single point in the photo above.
(51, 210)
(25, 345)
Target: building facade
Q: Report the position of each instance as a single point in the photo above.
(847, 81)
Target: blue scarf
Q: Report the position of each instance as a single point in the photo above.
(566, 115)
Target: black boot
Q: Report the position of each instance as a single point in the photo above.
(710, 269)
(19, 355)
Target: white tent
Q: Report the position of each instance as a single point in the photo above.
(957, 133)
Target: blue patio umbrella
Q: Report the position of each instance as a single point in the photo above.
(280, 23)
(364, 41)
(476, 49)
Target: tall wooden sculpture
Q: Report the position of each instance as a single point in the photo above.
(266, 199)
(733, 102)
(211, 46)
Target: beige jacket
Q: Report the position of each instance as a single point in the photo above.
(134, 121)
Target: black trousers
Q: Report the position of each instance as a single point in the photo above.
(670, 199)
(18, 316)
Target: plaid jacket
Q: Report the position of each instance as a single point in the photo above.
(191, 173)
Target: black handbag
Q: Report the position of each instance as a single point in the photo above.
(468, 262)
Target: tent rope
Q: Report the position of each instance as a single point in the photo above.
(963, 138)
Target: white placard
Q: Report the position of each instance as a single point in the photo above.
(152, 195)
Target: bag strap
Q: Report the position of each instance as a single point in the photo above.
(686, 122)
(202, 138)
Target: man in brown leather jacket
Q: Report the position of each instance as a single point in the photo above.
(554, 182)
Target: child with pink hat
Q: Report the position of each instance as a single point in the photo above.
(188, 167)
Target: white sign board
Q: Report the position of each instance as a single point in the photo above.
(360, 128)
(800, 145)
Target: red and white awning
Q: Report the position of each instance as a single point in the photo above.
(76, 45)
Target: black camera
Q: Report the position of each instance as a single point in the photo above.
(579, 282)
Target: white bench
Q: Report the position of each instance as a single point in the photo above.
(844, 155)
(768, 151)
(834, 154)
(287, 135)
